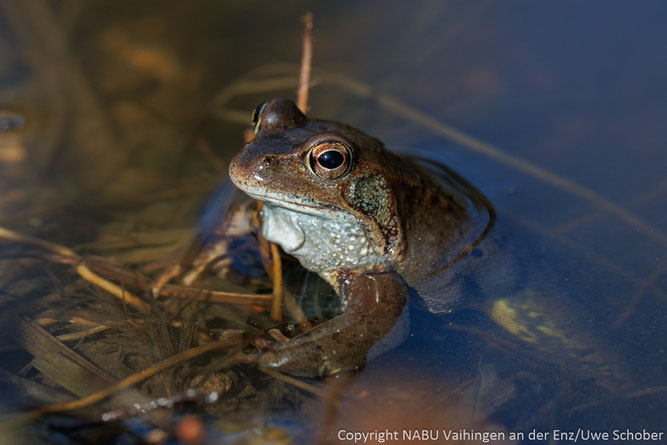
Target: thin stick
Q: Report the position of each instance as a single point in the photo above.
(302, 103)
(81, 334)
(306, 63)
(31, 240)
(81, 268)
(115, 290)
(134, 379)
(214, 296)
(295, 311)
(292, 381)
(277, 303)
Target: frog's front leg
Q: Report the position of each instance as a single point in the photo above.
(228, 215)
(372, 304)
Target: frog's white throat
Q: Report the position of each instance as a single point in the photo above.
(322, 242)
(279, 227)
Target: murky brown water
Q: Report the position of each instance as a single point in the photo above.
(118, 120)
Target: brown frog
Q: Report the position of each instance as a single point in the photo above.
(373, 224)
(370, 223)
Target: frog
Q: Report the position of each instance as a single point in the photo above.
(374, 225)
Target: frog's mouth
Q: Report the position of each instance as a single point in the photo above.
(300, 206)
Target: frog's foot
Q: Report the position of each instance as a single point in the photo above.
(197, 258)
(216, 252)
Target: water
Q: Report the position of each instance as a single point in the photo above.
(114, 148)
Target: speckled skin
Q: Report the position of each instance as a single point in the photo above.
(384, 225)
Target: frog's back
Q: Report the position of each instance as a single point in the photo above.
(444, 218)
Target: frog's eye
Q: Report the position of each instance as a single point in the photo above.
(329, 159)
(256, 117)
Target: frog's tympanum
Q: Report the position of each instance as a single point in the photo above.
(371, 223)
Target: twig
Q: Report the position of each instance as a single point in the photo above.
(306, 63)
(296, 312)
(81, 268)
(302, 103)
(277, 302)
(88, 275)
(31, 240)
(81, 334)
(292, 381)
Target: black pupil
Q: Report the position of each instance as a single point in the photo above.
(331, 159)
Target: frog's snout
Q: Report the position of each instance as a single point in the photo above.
(248, 168)
(236, 171)
(267, 155)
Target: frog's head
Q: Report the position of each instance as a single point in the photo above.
(325, 186)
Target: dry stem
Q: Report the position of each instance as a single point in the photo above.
(81, 268)
(302, 103)
(306, 63)
(277, 303)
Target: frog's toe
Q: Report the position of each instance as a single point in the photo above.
(193, 274)
(165, 277)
